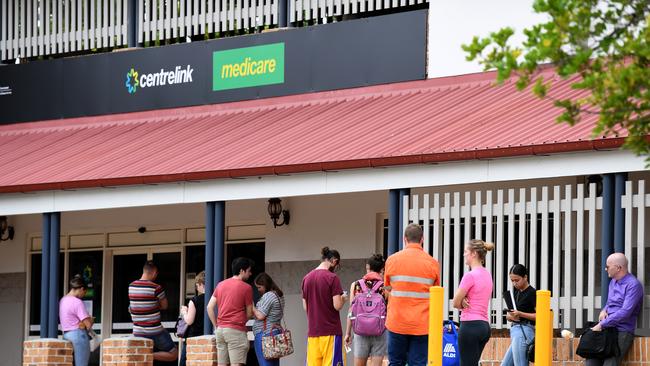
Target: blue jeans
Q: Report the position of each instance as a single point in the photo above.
(258, 351)
(516, 355)
(183, 357)
(80, 346)
(404, 348)
(161, 341)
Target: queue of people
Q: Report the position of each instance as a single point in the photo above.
(389, 308)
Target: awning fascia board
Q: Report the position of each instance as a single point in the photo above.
(323, 182)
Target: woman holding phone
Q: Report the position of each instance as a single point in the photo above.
(75, 320)
(522, 315)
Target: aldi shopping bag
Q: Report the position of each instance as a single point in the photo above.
(450, 356)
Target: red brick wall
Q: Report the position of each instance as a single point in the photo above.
(129, 351)
(202, 351)
(564, 352)
(51, 352)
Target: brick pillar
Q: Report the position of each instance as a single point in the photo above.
(639, 353)
(51, 352)
(564, 352)
(127, 351)
(202, 351)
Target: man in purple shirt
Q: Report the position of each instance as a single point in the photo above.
(624, 301)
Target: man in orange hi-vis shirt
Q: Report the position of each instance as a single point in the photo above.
(408, 275)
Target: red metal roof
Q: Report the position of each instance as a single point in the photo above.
(436, 120)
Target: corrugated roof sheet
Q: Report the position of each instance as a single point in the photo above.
(446, 119)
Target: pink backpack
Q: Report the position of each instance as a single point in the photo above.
(368, 313)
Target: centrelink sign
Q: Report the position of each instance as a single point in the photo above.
(353, 53)
(178, 75)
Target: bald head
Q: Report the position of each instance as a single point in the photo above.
(618, 259)
(617, 266)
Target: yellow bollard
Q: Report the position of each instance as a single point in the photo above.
(544, 329)
(550, 338)
(436, 295)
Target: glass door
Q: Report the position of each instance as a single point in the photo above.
(169, 277)
(127, 267)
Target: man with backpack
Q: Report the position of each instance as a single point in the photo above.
(367, 316)
(409, 274)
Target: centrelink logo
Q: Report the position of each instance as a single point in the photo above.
(449, 351)
(178, 75)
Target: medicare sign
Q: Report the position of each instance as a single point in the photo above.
(248, 66)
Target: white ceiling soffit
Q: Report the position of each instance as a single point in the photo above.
(467, 172)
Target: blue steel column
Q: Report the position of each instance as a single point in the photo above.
(209, 262)
(607, 234)
(393, 221)
(619, 212)
(55, 245)
(402, 192)
(283, 13)
(132, 23)
(45, 273)
(219, 240)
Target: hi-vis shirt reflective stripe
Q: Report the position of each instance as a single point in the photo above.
(414, 280)
(399, 278)
(413, 294)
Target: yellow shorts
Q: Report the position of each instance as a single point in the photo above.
(325, 351)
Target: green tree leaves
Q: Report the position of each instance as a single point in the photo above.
(603, 45)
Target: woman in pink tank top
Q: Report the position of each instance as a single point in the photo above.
(472, 299)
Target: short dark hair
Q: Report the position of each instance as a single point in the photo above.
(77, 282)
(413, 233)
(519, 270)
(241, 263)
(150, 267)
(376, 262)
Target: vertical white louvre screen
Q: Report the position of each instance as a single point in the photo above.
(321, 10)
(32, 28)
(554, 231)
(163, 20)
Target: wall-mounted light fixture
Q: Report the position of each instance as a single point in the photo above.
(598, 180)
(6, 231)
(275, 210)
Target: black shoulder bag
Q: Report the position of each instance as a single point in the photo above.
(530, 346)
(600, 345)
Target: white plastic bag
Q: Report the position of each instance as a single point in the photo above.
(95, 340)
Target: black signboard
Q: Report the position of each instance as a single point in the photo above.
(347, 54)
